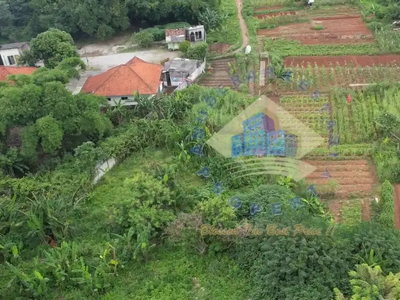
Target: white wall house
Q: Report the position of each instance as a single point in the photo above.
(128, 100)
(120, 84)
(9, 53)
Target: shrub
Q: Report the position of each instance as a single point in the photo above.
(184, 46)
(197, 51)
(144, 200)
(317, 27)
(217, 212)
(297, 267)
(158, 33)
(375, 26)
(369, 282)
(378, 238)
(143, 38)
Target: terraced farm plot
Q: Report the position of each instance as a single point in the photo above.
(356, 120)
(307, 79)
(348, 180)
(327, 61)
(336, 30)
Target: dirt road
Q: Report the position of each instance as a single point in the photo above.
(243, 27)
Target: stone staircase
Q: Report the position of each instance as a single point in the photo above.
(219, 75)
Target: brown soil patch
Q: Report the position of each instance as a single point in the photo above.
(396, 196)
(337, 30)
(275, 14)
(366, 210)
(219, 47)
(355, 178)
(362, 60)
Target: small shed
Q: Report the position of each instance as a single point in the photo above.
(196, 34)
(174, 37)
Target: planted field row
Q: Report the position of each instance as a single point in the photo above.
(323, 78)
(308, 110)
(346, 60)
(355, 120)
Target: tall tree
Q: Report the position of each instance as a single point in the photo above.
(52, 46)
(40, 117)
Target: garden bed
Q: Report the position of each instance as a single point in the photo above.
(360, 60)
(336, 30)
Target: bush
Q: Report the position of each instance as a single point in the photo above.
(297, 267)
(369, 282)
(375, 26)
(184, 46)
(197, 51)
(158, 33)
(217, 212)
(143, 38)
(144, 200)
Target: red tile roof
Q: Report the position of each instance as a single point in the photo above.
(174, 32)
(134, 76)
(5, 71)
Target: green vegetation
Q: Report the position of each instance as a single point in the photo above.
(197, 51)
(52, 47)
(276, 21)
(351, 212)
(387, 215)
(317, 27)
(24, 19)
(294, 48)
(369, 282)
(143, 39)
(230, 29)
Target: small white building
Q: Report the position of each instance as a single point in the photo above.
(174, 37)
(196, 34)
(9, 53)
(181, 72)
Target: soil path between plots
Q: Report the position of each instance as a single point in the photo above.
(243, 27)
(355, 60)
(396, 199)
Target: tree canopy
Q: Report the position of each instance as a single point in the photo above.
(40, 118)
(52, 46)
(23, 19)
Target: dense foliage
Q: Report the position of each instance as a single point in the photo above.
(52, 47)
(41, 118)
(24, 19)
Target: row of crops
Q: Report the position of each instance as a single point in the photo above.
(323, 78)
(356, 120)
(345, 119)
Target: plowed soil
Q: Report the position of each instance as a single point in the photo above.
(337, 30)
(362, 60)
(219, 47)
(355, 178)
